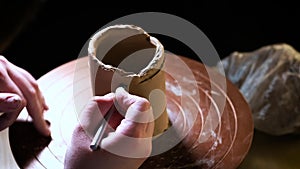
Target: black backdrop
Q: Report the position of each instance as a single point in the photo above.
(57, 32)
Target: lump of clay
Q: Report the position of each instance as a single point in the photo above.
(269, 79)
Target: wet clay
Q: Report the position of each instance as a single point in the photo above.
(125, 55)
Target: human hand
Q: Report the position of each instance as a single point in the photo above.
(127, 146)
(19, 89)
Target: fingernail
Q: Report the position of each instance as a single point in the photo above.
(46, 107)
(121, 90)
(14, 101)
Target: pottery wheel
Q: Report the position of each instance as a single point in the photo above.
(224, 145)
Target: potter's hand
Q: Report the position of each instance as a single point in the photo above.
(127, 146)
(18, 89)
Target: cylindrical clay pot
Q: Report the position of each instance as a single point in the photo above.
(125, 55)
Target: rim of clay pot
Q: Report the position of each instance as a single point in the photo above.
(117, 33)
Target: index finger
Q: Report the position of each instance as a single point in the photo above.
(30, 90)
(94, 111)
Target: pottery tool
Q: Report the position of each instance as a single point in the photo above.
(103, 126)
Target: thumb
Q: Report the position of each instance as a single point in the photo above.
(10, 102)
(133, 137)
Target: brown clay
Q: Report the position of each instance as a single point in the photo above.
(125, 55)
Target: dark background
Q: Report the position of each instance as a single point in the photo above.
(40, 35)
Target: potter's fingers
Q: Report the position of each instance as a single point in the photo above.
(138, 109)
(125, 146)
(94, 111)
(124, 99)
(136, 129)
(10, 105)
(139, 120)
(31, 93)
(35, 106)
(10, 102)
(31, 80)
(7, 85)
(103, 106)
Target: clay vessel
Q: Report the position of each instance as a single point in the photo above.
(127, 56)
